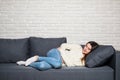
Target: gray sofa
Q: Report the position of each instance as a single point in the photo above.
(101, 64)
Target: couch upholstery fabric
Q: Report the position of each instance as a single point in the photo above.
(12, 50)
(15, 72)
(99, 56)
(40, 46)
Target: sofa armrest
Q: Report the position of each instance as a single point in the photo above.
(115, 64)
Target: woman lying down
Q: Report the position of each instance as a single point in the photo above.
(65, 55)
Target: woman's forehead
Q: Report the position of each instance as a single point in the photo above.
(89, 45)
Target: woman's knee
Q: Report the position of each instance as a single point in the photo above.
(54, 53)
(57, 65)
(52, 50)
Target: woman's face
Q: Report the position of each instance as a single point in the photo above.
(87, 48)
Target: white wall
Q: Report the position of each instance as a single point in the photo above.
(78, 20)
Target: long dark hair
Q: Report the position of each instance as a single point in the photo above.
(94, 46)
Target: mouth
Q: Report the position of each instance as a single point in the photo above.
(84, 50)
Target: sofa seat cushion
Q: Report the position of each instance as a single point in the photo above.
(40, 46)
(14, 72)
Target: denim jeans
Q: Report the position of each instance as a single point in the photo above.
(52, 60)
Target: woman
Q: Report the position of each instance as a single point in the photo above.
(66, 54)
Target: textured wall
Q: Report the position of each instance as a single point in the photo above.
(78, 20)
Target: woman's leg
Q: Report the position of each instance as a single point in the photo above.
(41, 65)
(31, 60)
(53, 58)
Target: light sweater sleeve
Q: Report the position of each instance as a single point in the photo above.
(71, 54)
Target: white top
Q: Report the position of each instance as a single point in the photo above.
(71, 54)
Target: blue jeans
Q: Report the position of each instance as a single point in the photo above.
(52, 60)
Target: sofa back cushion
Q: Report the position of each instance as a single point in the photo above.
(40, 46)
(12, 50)
(99, 56)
